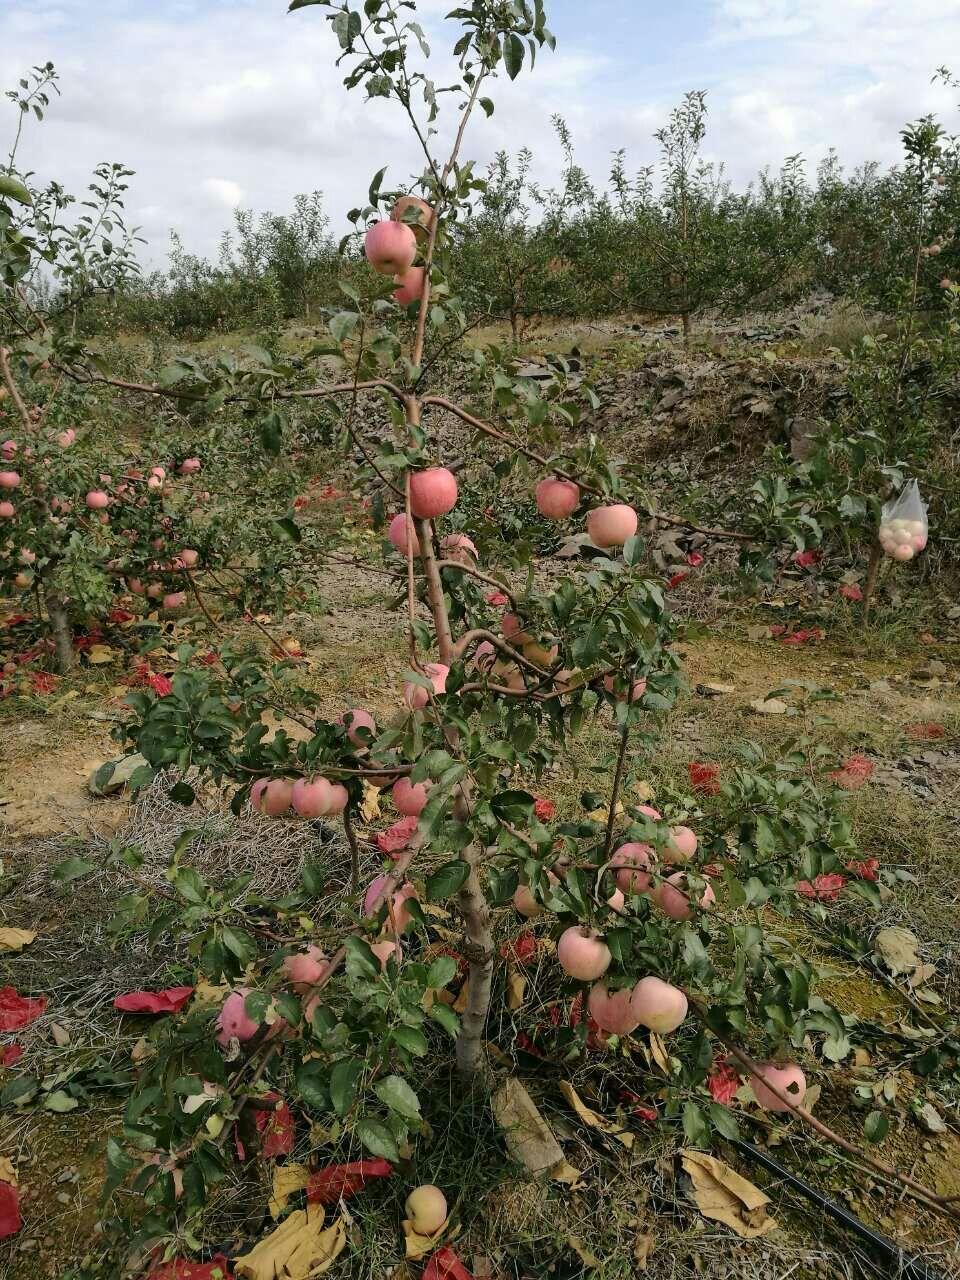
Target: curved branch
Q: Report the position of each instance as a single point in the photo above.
(12, 387)
(495, 433)
(912, 1187)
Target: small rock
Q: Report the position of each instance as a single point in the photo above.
(769, 707)
(113, 775)
(63, 1197)
(929, 1118)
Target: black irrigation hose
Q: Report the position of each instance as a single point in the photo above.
(902, 1265)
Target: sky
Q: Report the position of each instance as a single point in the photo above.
(224, 103)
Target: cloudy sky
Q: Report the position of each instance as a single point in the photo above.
(219, 103)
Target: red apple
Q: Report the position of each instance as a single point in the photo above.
(658, 1005)
(390, 247)
(557, 499)
(583, 954)
(432, 492)
(611, 526)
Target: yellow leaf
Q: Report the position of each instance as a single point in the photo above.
(529, 1139)
(15, 939)
(299, 1249)
(516, 989)
(644, 792)
(659, 1053)
(100, 654)
(723, 1195)
(7, 1172)
(463, 999)
(370, 804)
(287, 1179)
(209, 992)
(643, 1248)
(583, 1253)
(418, 1246)
(214, 1125)
(592, 1119)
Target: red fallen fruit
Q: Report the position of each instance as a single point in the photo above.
(789, 1079)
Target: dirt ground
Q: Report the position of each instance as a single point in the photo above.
(910, 814)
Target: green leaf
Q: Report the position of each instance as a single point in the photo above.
(311, 1079)
(288, 528)
(447, 1019)
(447, 880)
(441, 972)
(398, 1096)
(361, 962)
(11, 189)
(240, 944)
(60, 1102)
(412, 1040)
(487, 105)
(19, 1092)
(723, 1120)
(876, 1126)
(182, 793)
(72, 869)
(695, 1125)
(513, 49)
(344, 1078)
(377, 1138)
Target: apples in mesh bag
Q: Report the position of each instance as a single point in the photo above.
(903, 524)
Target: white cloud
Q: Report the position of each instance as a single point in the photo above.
(224, 191)
(217, 103)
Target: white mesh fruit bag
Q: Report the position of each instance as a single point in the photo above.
(903, 524)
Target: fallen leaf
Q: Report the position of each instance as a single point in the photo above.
(10, 1220)
(723, 1195)
(338, 1181)
(516, 989)
(99, 655)
(592, 1119)
(658, 1051)
(463, 999)
(15, 939)
(11, 1054)
(299, 1249)
(644, 792)
(445, 1265)
(417, 1246)
(897, 948)
(583, 1253)
(716, 690)
(528, 1137)
(370, 804)
(179, 1269)
(769, 707)
(170, 1000)
(211, 992)
(19, 1011)
(61, 1036)
(643, 1249)
(288, 1179)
